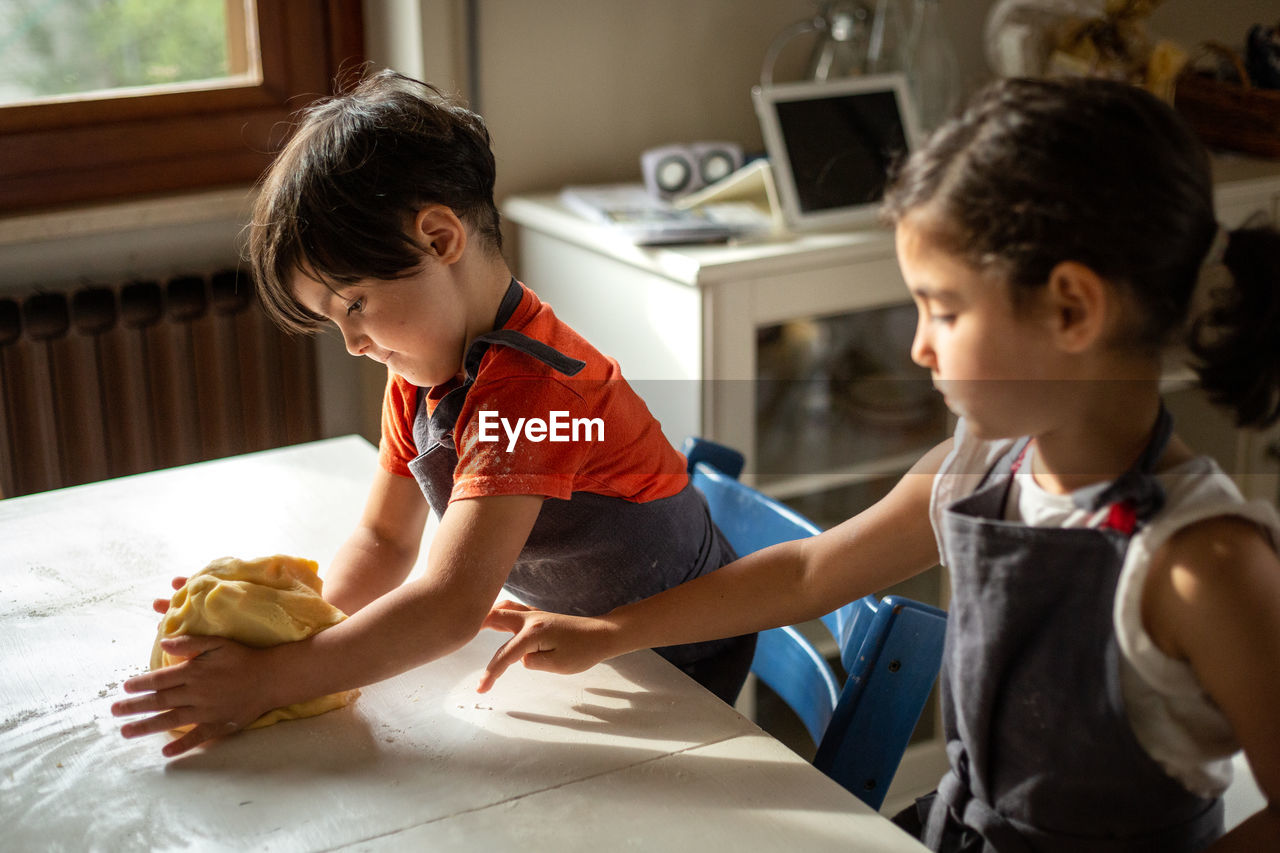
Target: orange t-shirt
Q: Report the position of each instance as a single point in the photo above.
(526, 428)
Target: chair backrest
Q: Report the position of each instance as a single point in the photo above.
(718, 456)
(749, 519)
(784, 659)
(892, 655)
(890, 648)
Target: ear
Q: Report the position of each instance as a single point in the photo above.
(1078, 301)
(440, 232)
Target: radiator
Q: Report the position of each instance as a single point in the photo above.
(108, 381)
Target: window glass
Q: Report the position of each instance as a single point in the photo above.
(55, 49)
(199, 91)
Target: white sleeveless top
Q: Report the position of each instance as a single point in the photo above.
(1171, 715)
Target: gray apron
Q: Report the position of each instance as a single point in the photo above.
(1042, 757)
(590, 553)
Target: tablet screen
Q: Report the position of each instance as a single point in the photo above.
(840, 149)
(832, 145)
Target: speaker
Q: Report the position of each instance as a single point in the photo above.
(671, 171)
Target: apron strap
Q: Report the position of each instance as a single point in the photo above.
(548, 355)
(532, 347)
(1135, 495)
(1006, 466)
(449, 408)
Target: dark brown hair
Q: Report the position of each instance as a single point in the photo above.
(337, 201)
(1037, 172)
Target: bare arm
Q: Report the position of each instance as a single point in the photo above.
(223, 686)
(782, 585)
(1213, 600)
(471, 555)
(383, 548)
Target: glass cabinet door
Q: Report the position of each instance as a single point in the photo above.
(841, 413)
(839, 403)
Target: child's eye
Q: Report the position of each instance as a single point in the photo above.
(355, 307)
(943, 319)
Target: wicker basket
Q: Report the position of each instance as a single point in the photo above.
(1235, 116)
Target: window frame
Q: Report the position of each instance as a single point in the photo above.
(68, 151)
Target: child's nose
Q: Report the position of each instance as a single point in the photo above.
(356, 342)
(921, 348)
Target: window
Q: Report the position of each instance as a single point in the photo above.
(130, 99)
(54, 49)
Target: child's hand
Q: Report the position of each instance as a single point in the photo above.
(548, 641)
(218, 690)
(161, 605)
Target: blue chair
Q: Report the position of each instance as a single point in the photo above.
(891, 648)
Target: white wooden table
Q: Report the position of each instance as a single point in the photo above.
(631, 754)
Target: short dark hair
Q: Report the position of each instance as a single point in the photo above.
(1036, 172)
(336, 202)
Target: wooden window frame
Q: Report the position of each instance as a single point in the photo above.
(75, 152)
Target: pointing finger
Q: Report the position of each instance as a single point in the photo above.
(510, 652)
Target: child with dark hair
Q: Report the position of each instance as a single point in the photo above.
(1114, 627)
(378, 216)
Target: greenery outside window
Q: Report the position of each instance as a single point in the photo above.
(105, 99)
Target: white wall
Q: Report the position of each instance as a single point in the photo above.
(573, 90)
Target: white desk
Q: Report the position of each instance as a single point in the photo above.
(630, 754)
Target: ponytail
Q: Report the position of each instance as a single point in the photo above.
(1236, 340)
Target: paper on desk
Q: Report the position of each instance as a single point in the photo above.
(629, 209)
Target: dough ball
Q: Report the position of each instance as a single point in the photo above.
(260, 603)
